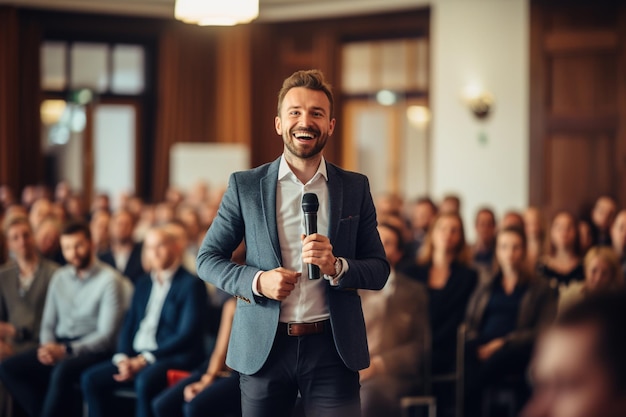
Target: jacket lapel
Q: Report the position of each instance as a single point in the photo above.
(335, 197)
(268, 200)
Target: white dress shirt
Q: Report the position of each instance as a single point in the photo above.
(307, 302)
(145, 338)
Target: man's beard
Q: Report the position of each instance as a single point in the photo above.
(83, 262)
(320, 143)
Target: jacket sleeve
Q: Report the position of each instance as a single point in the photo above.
(214, 263)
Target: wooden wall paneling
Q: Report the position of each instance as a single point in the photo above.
(233, 82)
(9, 70)
(186, 96)
(31, 169)
(620, 154)
(576, 104)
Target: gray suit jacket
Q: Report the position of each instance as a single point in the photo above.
(248, 211)
(24, 311)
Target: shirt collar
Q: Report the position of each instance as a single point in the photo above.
(166, 275)
(86, 273)
(284, 169)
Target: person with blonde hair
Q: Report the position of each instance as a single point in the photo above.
(603, 273)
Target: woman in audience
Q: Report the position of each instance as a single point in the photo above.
(535, 234)
(618, 238)
(442, 266)
(603, 273)
(213, 392)
(562, 263)
(502, 320)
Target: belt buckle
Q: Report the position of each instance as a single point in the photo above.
(289, 328)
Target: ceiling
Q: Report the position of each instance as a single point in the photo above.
(270, 10)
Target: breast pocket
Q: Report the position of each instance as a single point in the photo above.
(347, 236)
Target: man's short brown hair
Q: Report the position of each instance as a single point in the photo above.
(311, 79)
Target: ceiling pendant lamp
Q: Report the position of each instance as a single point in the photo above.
(216, 12)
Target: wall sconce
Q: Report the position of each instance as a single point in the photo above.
(479, 101)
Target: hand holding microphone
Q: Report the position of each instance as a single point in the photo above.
(317, 251)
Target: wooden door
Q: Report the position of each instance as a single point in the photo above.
(578, 104)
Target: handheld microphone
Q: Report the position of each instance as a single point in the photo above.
(310, 205)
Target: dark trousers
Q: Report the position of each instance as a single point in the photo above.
(507, 364)
(98, 387)
(306, 364)
(43, 390)
(221, 398)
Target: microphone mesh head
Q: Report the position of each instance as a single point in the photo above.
(310, 204)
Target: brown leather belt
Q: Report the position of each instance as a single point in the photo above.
(303, 329)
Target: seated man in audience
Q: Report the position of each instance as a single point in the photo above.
(82, 313)
(422, 214)
(579, 368)
(125, 254)
(451, 203)
(47, 239)
(23, 286)
(100, 224)
(396, 321)
(163, 330)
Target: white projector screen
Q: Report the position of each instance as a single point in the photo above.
(210, 162)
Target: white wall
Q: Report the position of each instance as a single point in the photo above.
(483, 42)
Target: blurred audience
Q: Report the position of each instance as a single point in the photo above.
(502, 320)
(162, 330)
(396, 321)
(579, 368)
(508, 302)
(212, 390)
(83, 310)
(562, 262)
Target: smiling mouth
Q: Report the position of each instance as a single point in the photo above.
(304, 135)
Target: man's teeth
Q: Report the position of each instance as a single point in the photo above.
(304, 135)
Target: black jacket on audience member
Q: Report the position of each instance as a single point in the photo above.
(133, 269)
(537, 306)
(446, 307)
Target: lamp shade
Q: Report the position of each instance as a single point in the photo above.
(216, 12)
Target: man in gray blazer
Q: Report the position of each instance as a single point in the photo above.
(292, 334)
